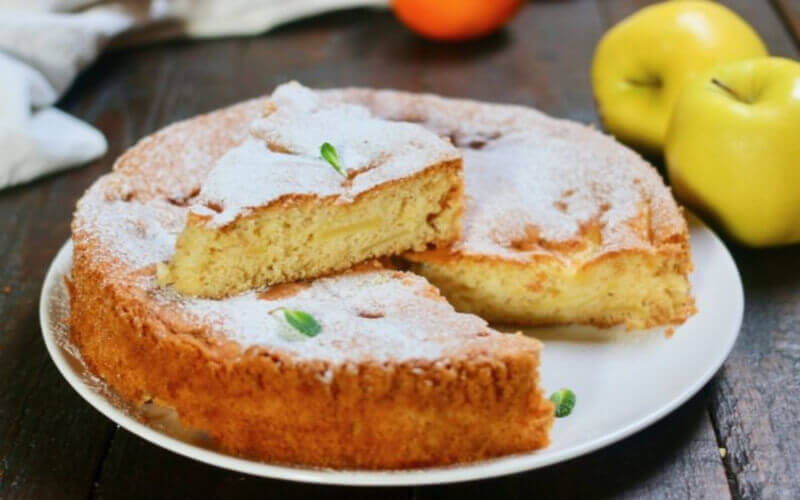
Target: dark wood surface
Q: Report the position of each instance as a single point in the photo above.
(790, 11)
(54, 445)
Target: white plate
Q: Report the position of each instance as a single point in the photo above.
(623, 382)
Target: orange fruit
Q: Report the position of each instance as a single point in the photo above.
(454, 19)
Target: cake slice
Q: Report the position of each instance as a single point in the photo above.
(317, 187)
(562, 224)
(583, 232)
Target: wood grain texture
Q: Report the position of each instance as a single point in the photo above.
(675, 459)
(767, 22)
(39, 413)
(758, 395)
(790, 11)
(53, 445)
(136, 469)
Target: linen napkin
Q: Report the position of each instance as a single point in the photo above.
(44, 44)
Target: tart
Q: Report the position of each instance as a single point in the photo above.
(273, 210)
(562, 223)
(392, 378)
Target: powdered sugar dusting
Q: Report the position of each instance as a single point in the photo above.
(522, 169)
(251, 175)
(526, 180)
(283, 155)
(373, 315)
(527, 172)
(133, 233)
(173, 162)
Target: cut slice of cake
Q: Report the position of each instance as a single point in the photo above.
(562, 223)
(569, 231)
(317, 187)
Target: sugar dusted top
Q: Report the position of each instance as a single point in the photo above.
(523, 170)
(550, 193)
(366, 315)
(537, 185)
(282, 155)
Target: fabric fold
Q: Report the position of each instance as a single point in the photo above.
(45, 44)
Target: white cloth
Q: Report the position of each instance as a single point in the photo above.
(44, 44)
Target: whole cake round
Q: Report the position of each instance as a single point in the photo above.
(392, 375)
(395, 378)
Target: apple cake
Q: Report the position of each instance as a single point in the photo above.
(277, 209)
(370, 368)
(562, 223)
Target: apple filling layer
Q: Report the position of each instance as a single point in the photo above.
(310, 236)
(639, 290)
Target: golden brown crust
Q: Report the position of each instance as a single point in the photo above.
(271, 407)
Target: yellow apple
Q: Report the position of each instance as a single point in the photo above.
(641, 64)
(733, 149)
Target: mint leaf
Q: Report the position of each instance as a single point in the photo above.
(328, 152)
(565, 402)
(302, 322)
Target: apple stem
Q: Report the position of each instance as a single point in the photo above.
(647, 81)
(726, 89)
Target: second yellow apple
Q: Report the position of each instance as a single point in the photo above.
(733, 148)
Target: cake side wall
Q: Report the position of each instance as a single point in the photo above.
(270, 407)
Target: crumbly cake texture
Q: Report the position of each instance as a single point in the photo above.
(272, 210)
(395, 379)
(562, 224)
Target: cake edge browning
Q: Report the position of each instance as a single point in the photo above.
(267, 405)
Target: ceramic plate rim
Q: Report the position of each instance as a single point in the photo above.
(435, 475)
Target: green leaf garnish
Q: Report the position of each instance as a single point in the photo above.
(302, 322)
(329, 153)
(565, 402)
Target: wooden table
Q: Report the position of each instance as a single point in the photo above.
(54, 445)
